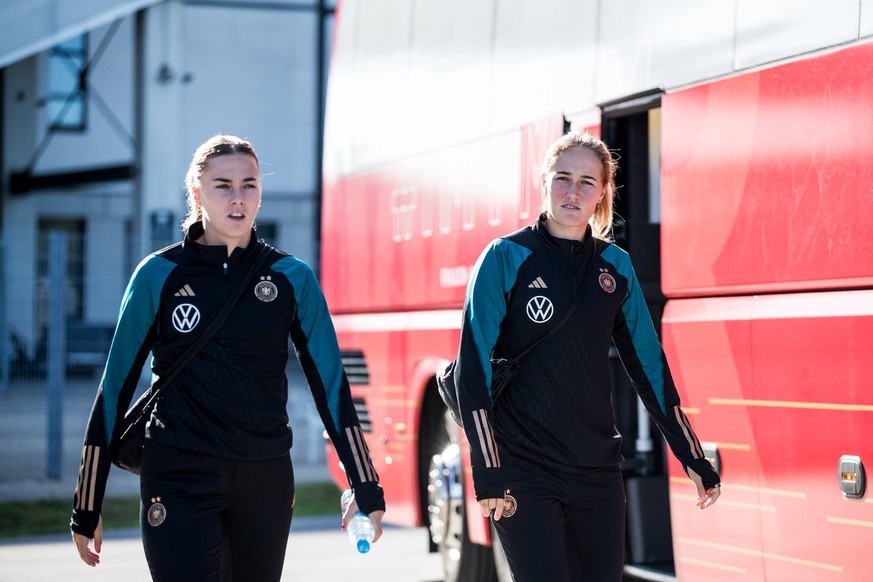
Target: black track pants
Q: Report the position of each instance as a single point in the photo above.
(566, 527)
(194, 505)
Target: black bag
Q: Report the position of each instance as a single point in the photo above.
(127, 453)
(126, 450)
(445, 381)
(503, 371)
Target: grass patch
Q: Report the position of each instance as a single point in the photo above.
(52, 516)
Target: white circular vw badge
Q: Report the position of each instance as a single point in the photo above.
(185, 317)
(540, 309)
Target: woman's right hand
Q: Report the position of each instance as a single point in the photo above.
(492, 507)
(375, 518)
(89, 556)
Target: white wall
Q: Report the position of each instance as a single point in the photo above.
(250, 73)
(104, 206)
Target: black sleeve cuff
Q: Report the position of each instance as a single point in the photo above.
(706, 471)
(489, 483)
(370, 497)
(84, 522)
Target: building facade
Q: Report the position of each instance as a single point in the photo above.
(102, 103)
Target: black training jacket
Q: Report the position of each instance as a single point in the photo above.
(558, 411)
(230, 400)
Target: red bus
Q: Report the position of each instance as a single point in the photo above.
(746, 200)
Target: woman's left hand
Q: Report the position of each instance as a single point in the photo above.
(89, 556)
(705, 497)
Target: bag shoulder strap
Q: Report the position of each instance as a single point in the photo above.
(517, 360)
(210, 330)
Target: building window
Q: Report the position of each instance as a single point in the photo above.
(66, 105)
(74, 231)
(267, 232)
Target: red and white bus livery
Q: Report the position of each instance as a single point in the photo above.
(745, 136)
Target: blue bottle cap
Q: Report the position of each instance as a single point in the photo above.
(363, 546)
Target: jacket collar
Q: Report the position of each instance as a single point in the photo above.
(218, 253)
(562, 245)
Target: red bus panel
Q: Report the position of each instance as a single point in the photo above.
(766, 182)
(406, 236)
(781, 384)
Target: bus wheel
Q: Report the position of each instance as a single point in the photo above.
(463, 561)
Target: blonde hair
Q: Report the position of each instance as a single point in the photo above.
(217, 145)
(601, 220)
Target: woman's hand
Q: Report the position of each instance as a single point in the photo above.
(89, 556)
(375, 517)
(492, 507)
(705, 497)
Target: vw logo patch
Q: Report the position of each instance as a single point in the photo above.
(185, 317)
(540, 309)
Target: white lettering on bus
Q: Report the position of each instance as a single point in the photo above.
(429, 212)
(403, 205)
(455, 276)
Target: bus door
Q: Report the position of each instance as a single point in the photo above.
(631, 127)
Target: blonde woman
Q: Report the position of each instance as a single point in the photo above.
(546, 454)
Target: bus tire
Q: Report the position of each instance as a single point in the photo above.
(463, 560)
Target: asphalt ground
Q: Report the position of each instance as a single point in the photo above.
(318, 551)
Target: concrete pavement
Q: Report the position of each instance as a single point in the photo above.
(317, 551)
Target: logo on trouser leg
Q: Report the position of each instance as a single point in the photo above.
(157, 513)
(509, 504)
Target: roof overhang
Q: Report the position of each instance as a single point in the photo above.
(28, 27)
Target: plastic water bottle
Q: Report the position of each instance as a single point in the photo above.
(360, 529)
